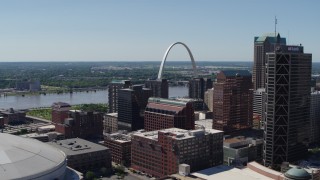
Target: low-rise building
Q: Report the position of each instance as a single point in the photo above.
(239, 150)
(159, 153)
(11, 116)
(81, 124)
(83, 155)
(120, 147)
(45, 137)
(110, 123)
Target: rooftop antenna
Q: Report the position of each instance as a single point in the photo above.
(275, 26)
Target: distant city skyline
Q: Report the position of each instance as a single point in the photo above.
(142, 30)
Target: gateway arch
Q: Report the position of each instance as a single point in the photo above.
(166, 55)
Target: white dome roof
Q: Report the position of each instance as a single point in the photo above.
(28, 158)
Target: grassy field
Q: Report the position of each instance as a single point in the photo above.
(45, 113)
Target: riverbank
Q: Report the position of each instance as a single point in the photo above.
(49, 90)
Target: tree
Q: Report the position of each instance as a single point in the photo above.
(90, 175)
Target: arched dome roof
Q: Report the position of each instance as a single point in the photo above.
(297, 173)
(26, 158)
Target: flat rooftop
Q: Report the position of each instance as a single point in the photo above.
(77, 146)
(112, 114)
(227, 172)
(206, 123)
(179, 134)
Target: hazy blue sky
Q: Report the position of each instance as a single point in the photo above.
(138, 30)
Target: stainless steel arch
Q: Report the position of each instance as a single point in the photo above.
(165, 58)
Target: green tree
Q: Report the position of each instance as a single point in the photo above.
(90, 175)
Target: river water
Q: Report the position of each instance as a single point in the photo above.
(34, 101)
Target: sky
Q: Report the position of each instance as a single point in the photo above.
(142, 30)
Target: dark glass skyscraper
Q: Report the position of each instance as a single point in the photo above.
(131, 105)
(159, 87)
(198, 86)
(262, 45)
(287, 106)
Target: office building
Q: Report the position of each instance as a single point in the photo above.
(208, 99)
(238, 151)
(84, 155)
(60, 111)
(315, 118)
(81, 124)
(198, 86)
(13, 117)
(287, 106)
(258, 103)
(120, 147)
(159, 153)
(110, 123)
(45, 137)
(164, 113)
(131, 105)
(232, 101)
(262, 45)
(159, 87)
(113, 90)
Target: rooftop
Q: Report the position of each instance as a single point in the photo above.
(167, 101)
(177, 133)
(297, 173)
(206, 123)
(77, 146)
(112, 114)
(271, 37)
(119, 137)
(60, 105)
(25, 158)
(228, 172)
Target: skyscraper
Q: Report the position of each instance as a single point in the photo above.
(262, 45)
(131, 105)
(159, 87)
(232, 101)
(287, 105)
(198, 86)
(113, 89)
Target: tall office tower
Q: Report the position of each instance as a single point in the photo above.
(113, 90)
(315, 117)
(232, 101)
(159, 153)
(262, 45)
(131, 105)
(287, 116)
(198, 86)
(164, 113)
(208, 99)
(258, 102)
(159, 87)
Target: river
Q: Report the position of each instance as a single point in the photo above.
(101, 96)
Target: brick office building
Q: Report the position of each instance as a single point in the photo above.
(164, 113)
(60, 111)
(232, 101)
(75, 123)
(120, 146)
(159, 153)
